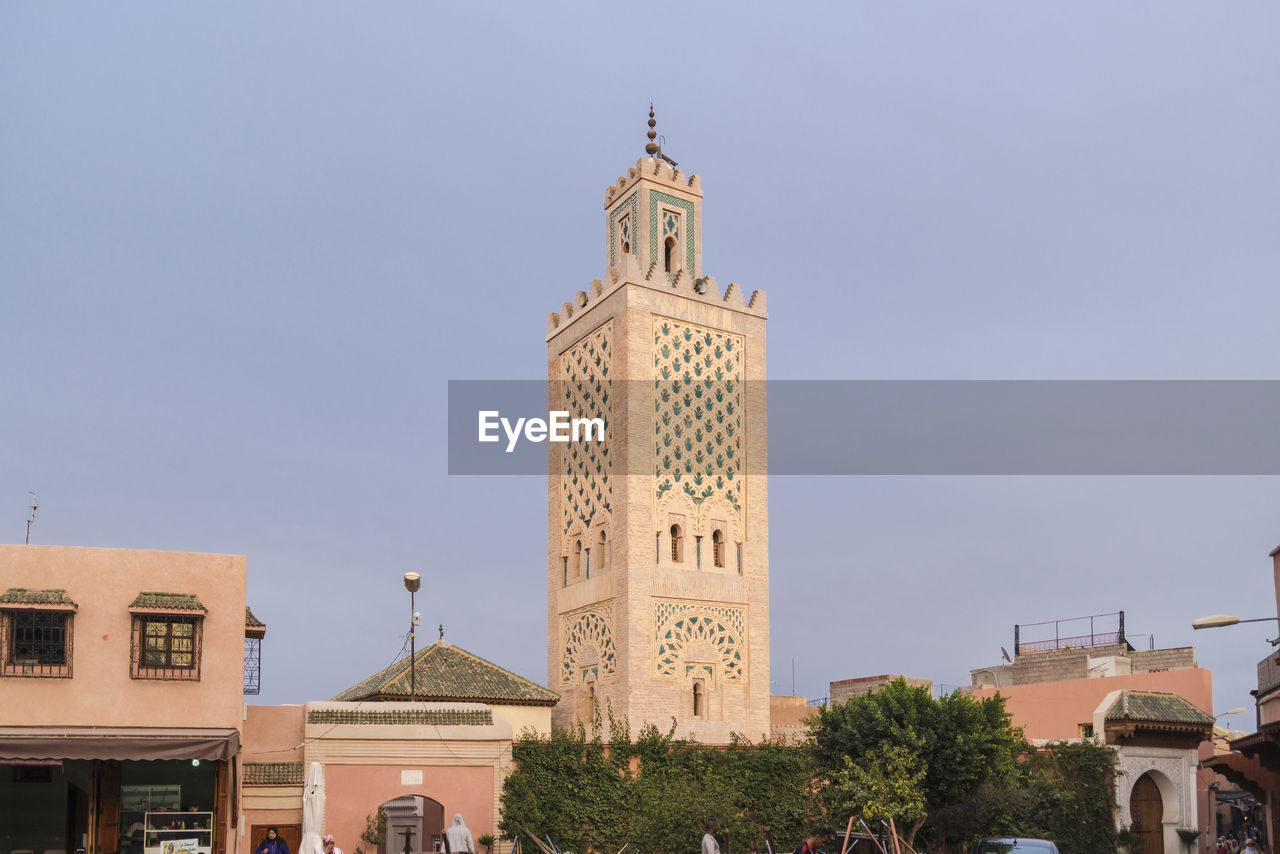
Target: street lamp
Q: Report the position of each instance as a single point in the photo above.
(1217, 621)
(412, 582)
(1239, 711)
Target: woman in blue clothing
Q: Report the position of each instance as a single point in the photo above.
(272, 844)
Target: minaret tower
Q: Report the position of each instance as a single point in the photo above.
(658, 537)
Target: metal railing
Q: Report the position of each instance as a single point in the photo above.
(1069, 633)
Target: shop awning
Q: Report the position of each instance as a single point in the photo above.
(117, 743)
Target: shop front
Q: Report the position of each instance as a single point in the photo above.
(105, 790)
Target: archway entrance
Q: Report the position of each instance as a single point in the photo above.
(1146, 808)
(411, 823)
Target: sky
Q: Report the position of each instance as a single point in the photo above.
(244, 248)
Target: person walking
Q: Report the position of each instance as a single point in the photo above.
(709, 843)
(813, 843)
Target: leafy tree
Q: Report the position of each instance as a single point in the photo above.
(958, 742)
(885, 783)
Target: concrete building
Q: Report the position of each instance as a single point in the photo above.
(1155, 706)
(658, 538)
(841, 691)
(122, 677)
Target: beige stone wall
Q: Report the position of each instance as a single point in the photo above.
(603, 630)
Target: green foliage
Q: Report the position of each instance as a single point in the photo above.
(487, 840)
(959, 743)
(657, 791)
(375, 829)
(886, 782)
(1060, 791)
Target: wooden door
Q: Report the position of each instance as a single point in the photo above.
(290, 833)
(105, 817)
(1146, 808)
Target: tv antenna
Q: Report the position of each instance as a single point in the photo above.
(1004, 653)
(35, 504)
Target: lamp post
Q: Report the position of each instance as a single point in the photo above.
(412, 581)
(1218, 621)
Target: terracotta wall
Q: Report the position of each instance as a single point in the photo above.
(1055, 710)
(103, 582)
(354, 792)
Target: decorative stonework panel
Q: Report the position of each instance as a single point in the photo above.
(585, 490)
(656, 201)
(626, 206)
(588, 641)
(713, 630)
(698, 419)
(1176, 765)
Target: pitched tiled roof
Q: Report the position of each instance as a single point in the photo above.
(273, 774)
(251, 621)
(23, 596)
(168, 602)
(445, 672)
(1156, 707)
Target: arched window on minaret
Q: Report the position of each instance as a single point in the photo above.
(602, 552)
(577, 558)
(668, 253)
(699, 701)
(717, 548)
(677, 544)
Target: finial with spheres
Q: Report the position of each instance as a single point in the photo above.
(651, 147)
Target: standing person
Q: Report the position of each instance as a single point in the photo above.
(272, 843)
(1251, 846)
(457, 839)
(326, 843)
(813, 843)
(709, 844)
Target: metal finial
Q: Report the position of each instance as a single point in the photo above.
(651, 147)
(442, 631)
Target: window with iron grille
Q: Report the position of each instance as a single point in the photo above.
(166, 646)
(35, 642)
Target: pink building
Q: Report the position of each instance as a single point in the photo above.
(1154, 706)
(122, 674)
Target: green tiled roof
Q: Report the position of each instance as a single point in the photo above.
(1156, 707)
(252, 621)
(23, 596)
(401, 717)
(273, 774)
(168, 602)
(445, 672)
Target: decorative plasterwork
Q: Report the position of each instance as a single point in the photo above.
(656, 201)
(584, 390)
(587, 642)
(688, 634)
(1176, 767)
(629, 205)
(698, 441)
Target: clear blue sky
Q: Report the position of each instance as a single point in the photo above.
(244, 247)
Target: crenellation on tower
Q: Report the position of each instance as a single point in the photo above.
(658, 573)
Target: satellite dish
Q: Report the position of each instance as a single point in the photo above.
(1005, 653)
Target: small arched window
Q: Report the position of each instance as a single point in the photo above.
(677, 544)
(699, 701)
(668, 254)
(577, 558)
(602, 552)
(717, 548)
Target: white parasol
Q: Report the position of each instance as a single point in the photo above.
(312, 810)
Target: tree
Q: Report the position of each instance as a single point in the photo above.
(885, 783)
(957, 742)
